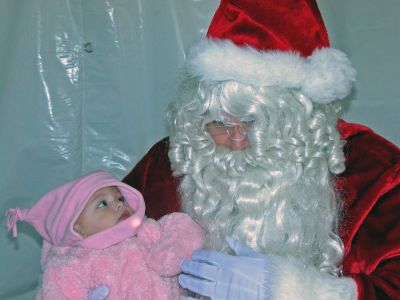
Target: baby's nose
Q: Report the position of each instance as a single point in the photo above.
(236, 133)
(119, 205)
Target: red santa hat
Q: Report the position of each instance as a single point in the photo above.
(272, 43)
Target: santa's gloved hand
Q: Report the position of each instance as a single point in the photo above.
(99, 293)
(222, 276)
(251, 275)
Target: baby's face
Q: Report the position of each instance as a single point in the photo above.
(104, 209)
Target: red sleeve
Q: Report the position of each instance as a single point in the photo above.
(152, 176)
(371, 224)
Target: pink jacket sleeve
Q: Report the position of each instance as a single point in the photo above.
(64, 278)
(178, 237)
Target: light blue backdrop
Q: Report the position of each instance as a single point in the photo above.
(84, 85)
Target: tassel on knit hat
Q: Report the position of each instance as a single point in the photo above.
(55, 214)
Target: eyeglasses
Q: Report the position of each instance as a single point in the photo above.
(220, 127)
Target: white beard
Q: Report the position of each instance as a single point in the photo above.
(273, 208)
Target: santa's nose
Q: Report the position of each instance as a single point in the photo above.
(235, 133)
(239, 145)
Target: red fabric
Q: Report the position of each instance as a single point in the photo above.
(294, 25)
(152, 176)
(371, 223)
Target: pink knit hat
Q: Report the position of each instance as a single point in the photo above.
(55, 214)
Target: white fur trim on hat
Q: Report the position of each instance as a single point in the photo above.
(324, 76)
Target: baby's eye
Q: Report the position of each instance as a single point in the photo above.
(102, 203)
(121, 199)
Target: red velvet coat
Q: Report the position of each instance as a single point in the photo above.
(371, 225)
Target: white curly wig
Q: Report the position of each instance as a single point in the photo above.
(277, 195)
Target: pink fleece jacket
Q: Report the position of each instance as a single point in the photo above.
(142, 267)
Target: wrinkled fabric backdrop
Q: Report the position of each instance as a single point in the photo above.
(84, 85)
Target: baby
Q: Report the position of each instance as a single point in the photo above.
(95, 233)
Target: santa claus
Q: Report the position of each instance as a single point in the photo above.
(256, 153)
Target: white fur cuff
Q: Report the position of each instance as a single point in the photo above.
(293, 281)
(324, 76)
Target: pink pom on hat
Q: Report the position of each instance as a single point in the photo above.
(55, 214)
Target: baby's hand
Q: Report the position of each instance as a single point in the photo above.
(98, 293)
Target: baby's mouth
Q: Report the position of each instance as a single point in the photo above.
(125, 215)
